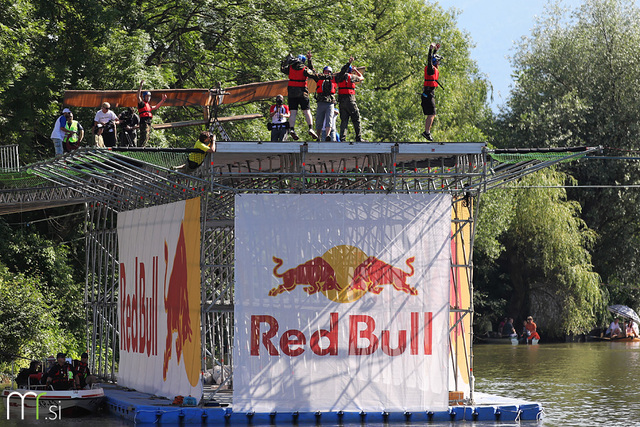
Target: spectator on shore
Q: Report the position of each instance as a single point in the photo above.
(532, 330)
(508, 330)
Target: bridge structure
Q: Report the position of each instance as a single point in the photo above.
(109, 181)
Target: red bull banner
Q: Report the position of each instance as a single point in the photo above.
(342, 302)
(159, 299)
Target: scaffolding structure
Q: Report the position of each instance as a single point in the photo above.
(117, 180)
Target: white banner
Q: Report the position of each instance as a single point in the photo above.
(159, 299)
(341, 302)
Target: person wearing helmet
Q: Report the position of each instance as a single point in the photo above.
(298, 92)
(428, 100)
(325, 96)
(279, 119)
(145, 112)
(347, 79)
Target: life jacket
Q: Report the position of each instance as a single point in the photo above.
(71, 138)
(321, 84)
(297, 78)
(61, 374)
(346, 86)
(431, 80)
(145, 111)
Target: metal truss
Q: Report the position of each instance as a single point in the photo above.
(112, 181)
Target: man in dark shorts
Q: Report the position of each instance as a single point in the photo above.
(298, 92)
(431, 75)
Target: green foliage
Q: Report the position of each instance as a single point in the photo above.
(535, 256)
(577, 83)
(28, 327)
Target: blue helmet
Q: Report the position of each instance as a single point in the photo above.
(327, 68)
(350, 69)
(146, 93)
(436, 59)
(302, 58)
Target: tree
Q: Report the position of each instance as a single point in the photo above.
(540, 252)
(578, 83)
(28, 328)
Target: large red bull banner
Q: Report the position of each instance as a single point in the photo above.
(342, 302)
(159, 299)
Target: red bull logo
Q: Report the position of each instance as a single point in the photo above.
(344, 274)
(363, 337)
(182, 296)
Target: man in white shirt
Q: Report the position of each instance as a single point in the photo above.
(104, 127)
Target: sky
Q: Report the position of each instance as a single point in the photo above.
(494, 27)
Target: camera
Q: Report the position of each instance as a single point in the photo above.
(279, 101)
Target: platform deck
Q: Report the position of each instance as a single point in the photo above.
(144, 408)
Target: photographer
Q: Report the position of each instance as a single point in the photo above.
(130, 122)
(279, 119)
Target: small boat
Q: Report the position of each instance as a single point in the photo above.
(40, 402)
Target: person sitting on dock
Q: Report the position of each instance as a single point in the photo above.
(631, 330)
(614, 330)
(508, 330)
(532, 330)
(84, 374)
(62, 376)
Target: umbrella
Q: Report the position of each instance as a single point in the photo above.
(624, 311)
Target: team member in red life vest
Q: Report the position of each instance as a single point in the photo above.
(431, 76)
(84, 374)
(298, 91)
(62, 375)
(325, 96)
(145, 112)
(347, 79)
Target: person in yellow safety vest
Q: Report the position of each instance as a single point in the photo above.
(74, 133)
(145, 112)
(206, 143)
(431, 76)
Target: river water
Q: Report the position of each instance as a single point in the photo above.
(578, 384)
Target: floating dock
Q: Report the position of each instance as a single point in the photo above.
(144, 408)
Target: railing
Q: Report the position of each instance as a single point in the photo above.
(9, 158)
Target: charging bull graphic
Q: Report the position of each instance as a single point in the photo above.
(343, 274)
(176, 302)
(317, 275)
(373, 273)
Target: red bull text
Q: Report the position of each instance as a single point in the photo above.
(139, 312)
(361, 327)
